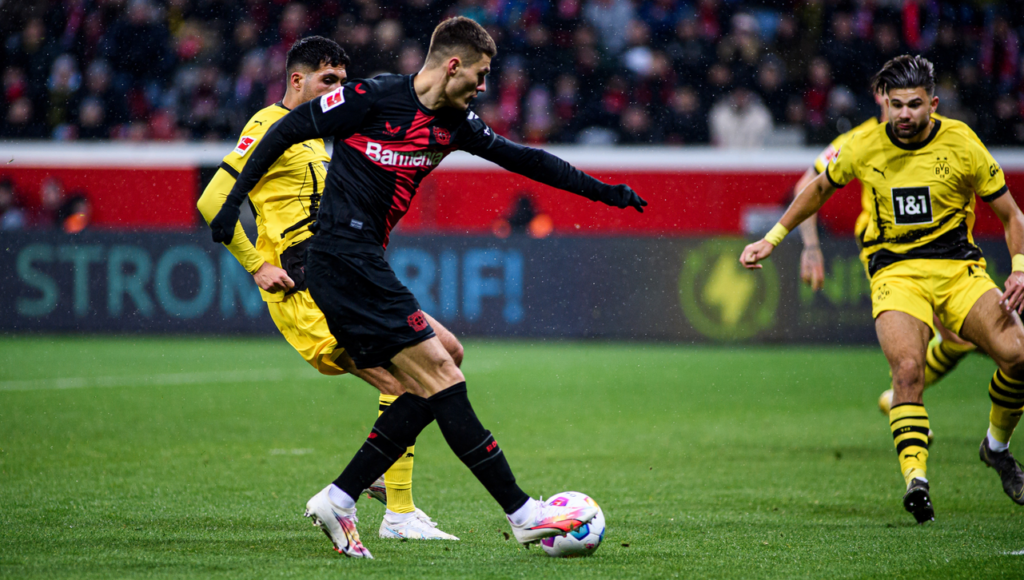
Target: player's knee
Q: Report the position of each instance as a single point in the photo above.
(449, 373)
(908, 374)
(1009, 355)
(1014, 367)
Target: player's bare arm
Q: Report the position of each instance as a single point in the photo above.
(812, 261)
(806, 204)
(1013, 223)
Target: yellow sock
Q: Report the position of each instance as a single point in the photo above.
(909, 424)
(398, 479)
(1007, 404)
(943, 357)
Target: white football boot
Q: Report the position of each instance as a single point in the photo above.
(378, 491)
(418, 527)
(548, 520)
(338, 523)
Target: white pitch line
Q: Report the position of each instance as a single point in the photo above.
(163, 379)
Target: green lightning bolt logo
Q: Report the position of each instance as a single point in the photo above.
(722, 300)
(729, 288)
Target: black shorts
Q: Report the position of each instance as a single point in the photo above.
(371, 314)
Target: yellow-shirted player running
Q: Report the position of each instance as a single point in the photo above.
(923, 174)
(947, 349)
(285, 203)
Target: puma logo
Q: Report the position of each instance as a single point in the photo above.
(915, 456)
(877, 171)
(260, 123)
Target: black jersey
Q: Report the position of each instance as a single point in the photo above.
(385, 143)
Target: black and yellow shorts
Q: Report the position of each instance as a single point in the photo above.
(948, 288)
(304, 326)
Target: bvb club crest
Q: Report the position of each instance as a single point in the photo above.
(942, 168)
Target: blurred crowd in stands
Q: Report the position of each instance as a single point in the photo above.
(733, 73)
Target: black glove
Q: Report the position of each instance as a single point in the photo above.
(623, 196)
(223, 225)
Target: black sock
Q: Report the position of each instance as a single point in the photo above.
(475, 446)
(395, 430)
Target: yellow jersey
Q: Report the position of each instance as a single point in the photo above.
(823, 159)
(285, 201)
(922, 194)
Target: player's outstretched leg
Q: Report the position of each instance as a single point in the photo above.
(531, 521)
(1001, 336)
(402, 519)
(904, 340)
(1007, 405)
(334, 508)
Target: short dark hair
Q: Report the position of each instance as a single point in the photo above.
(312, 52)
(462, 37)
(905, 72)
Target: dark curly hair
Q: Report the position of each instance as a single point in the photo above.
(312, 52)
(905, 72)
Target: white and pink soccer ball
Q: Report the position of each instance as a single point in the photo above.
(582, 542)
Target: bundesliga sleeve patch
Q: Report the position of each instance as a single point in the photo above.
(244, 145)
(332, 99)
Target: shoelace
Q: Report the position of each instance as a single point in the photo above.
(423, 517)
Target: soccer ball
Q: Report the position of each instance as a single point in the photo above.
(582, 542)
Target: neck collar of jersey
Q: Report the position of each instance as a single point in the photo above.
(913, 146)
(281, 104)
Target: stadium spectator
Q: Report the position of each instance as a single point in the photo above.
(32, 53)
(12, 215)
(773, 89)
(92, 120)
(611, 18)
(819, 80)
(1006, 127)
(740, 121)
(51, 198)
(1000, 55)
(845, 52)
(63, 92)
(141, 59)
(687, 122)
(74, 214)
(20, 122)
(98, 86)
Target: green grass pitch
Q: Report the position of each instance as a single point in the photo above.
(194, 457)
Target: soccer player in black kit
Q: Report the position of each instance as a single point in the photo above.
(389, 133)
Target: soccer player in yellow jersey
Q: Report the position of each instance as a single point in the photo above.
(947, 349)
(923, 174)
(285, 203)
